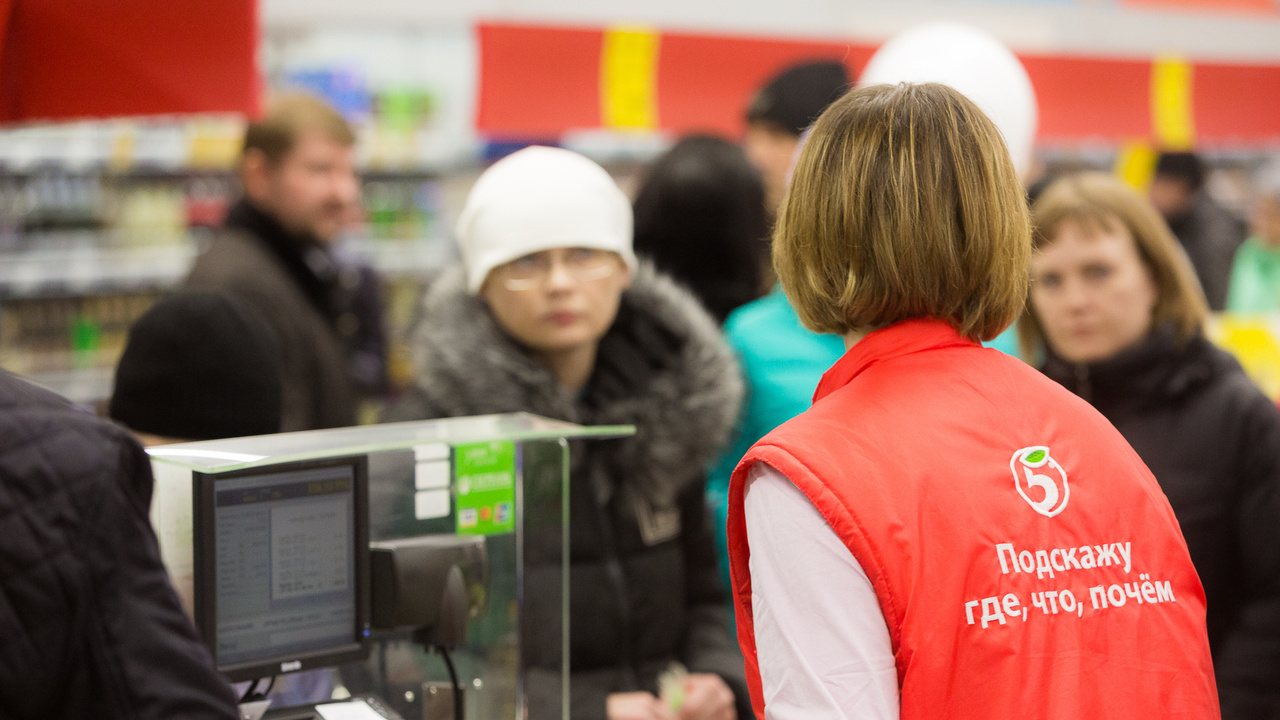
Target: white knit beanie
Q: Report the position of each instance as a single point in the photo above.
(537, 199)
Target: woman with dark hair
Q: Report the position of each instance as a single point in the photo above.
(1117, 311)
(700, 217)
(911, 545)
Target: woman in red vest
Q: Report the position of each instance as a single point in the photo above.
(945, 533)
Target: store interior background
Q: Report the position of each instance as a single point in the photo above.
(101, 216)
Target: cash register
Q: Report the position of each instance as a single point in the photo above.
(281, 561)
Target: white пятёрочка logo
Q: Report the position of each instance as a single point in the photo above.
(1034, 476)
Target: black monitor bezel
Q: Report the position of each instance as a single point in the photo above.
(205, 581)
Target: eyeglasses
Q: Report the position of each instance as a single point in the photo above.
(532, 270)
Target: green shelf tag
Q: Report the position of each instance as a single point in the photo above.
(485, 481)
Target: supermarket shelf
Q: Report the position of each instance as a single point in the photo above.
(62, 272)
(84, 387)
(92, 270)
(422, 257)
(180, 172)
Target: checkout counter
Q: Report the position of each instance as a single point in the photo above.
(410, 557)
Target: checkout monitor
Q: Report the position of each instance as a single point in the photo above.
(281, 559)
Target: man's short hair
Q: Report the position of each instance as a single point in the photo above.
(904, 203)
(1184, 167)
(797, 95)
(290, 116)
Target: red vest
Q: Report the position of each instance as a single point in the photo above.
(1026, 562)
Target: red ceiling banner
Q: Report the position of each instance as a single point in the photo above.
(1084, 98)
(1217, 7)
(705, 81)
(1237, 104)
(540, 82)
(99, 58)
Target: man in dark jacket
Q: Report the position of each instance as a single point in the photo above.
(300, 189)
(1208, 232)
(89, 624)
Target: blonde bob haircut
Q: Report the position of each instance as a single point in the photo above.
(904, 204)
(1098, 203)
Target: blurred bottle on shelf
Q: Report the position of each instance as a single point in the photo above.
(400, 208)
(214, 142)
(150, 215)
(207, 199)
(43, 336)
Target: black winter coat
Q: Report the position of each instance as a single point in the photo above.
(89, 624)
(1212, 440)
(1210, 234)
(644, 588)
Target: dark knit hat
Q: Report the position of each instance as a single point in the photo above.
(795, 97)
(199, 366)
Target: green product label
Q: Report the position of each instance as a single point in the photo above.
(484, 477)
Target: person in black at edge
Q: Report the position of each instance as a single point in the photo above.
(89, 625)
(275, 254)
(1208, 232)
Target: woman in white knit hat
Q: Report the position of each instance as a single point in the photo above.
(551, 313)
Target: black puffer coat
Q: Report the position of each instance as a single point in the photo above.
(643, 593)
(89, 625)
(1213, 442)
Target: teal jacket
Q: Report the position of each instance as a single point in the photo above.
(1255, 278)
(782, 363)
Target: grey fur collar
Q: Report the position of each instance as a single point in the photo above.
(466, 365)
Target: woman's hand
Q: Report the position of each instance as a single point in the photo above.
(637, 706)
(706, 697)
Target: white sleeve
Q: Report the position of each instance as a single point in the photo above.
(821, 639)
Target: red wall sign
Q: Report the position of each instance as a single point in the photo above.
(64, 59)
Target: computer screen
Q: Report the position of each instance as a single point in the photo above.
(281, 580)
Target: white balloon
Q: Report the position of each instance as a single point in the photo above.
(970, 61)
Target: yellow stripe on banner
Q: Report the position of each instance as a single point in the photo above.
(1136, 164)
(629, 79)
(1172, 121)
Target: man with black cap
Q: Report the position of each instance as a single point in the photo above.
(779, 114)
(1208, 232)
(205, 366)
